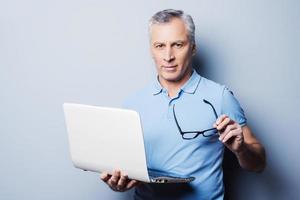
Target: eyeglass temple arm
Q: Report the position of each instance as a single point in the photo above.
(176, 119)
(207, 102)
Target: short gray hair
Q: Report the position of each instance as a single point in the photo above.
(167, 15)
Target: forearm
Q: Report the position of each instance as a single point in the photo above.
(252, 157)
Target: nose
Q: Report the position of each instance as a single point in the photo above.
(169, 56)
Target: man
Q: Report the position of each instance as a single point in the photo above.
(175, 109)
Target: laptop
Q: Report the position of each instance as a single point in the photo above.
(104, 139)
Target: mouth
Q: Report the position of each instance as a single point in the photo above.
(169, 67)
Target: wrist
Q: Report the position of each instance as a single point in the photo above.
(241, 150)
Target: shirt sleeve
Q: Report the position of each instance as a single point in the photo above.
(232, 108)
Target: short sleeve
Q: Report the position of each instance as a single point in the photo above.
(231, 107)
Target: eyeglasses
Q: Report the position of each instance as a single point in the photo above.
(188, 135)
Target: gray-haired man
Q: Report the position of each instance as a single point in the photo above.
(177, 143)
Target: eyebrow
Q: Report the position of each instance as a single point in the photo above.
(177, 41)
(182, 41)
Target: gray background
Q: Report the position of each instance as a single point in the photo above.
(96, 52)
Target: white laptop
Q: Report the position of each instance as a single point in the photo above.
(105, 139)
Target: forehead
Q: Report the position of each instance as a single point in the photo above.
(168, 32)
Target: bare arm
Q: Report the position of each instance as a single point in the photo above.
(252, 154)
(242, 142)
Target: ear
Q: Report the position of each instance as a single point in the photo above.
(194, 49)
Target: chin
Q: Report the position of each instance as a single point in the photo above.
(170, 76)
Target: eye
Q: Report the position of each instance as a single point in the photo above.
(178, 45)
(159, 46)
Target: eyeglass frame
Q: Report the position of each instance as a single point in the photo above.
(197, 132)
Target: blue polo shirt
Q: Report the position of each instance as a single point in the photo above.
(167, 151)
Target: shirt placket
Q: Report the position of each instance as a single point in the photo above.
(170, 103)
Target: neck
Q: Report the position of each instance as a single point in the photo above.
(173, 87)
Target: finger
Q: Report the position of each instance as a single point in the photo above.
(223, 124)
(131, 184)
(122, 182)
(220, 119)
(230, 135)
(114, 179)
(104, 176)
(227, 129)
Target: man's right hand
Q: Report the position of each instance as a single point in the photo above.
(118, 182)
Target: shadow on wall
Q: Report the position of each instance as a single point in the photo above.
(202, 65)
(239, 183)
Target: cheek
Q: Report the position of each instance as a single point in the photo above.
(157, 59)
(186, 57)
(183, 58)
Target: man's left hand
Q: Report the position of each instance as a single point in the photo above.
(230, 133)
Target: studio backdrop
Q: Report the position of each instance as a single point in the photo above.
(97, 52)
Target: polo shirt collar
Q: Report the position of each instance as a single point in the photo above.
(157, 88)
(189, 87)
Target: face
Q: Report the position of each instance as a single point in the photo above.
(172, 51)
